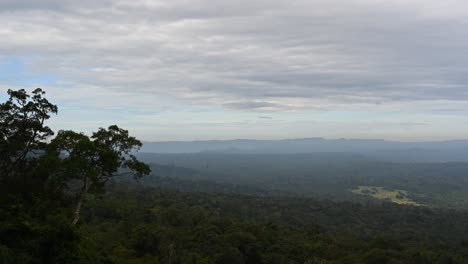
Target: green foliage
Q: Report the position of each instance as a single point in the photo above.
(324, 175)
(22, 130)
(93, 161)
(162, 225)
(38, 177)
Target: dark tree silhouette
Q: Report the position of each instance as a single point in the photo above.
(91, 161)
(22, 129)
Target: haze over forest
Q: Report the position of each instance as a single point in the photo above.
(435, 151)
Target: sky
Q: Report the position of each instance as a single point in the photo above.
(208, 69)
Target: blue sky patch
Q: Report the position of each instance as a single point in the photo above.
(14, 71)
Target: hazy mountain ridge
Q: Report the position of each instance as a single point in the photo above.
(429, 151)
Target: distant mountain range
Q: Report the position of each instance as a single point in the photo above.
(431, 151)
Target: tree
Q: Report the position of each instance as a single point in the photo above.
(22, 130)
(89, 162)
(44, 181)
(69, 160)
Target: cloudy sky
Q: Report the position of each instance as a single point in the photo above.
(209, 69)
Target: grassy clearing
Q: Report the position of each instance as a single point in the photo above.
(395, 196)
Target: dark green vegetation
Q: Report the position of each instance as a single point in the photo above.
(44, 184)
(62, 201)
(137, 224)
(323, 175)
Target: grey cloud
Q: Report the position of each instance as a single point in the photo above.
(250, 105)
(248, 53)
(52, 5)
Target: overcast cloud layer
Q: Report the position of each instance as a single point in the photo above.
(270, 64)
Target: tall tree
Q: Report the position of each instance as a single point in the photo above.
(87, 163)
(44, 180)
(22, 129)
(71, 159)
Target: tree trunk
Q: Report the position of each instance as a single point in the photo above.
(171, 251)
(76, 214)
(81, 200)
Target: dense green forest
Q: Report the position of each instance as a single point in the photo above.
(321, 175)
(67, 197)
(137, 224)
